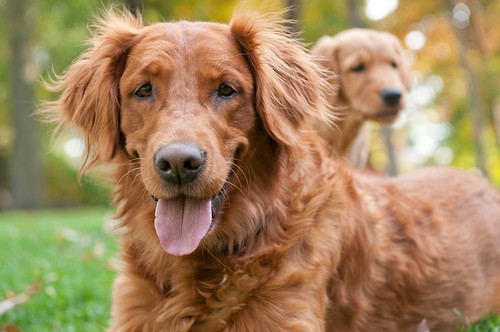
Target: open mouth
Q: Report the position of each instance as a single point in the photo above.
(182, 222)
(216, 199)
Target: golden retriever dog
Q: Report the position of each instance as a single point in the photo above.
(236, 216)
(371, 82)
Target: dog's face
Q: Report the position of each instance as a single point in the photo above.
(186, 109)
(372, 76)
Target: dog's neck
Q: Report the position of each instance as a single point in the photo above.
(349, 127)
(343, 132)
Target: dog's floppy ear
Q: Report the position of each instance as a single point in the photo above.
(289, 85)
(325, 52)
(90, 97)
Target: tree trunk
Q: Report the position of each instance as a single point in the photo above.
(392, 167)
(474, 94)
(25, 164)
(355, 18)
(477, 39)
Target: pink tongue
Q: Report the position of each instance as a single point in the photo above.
(181, 223)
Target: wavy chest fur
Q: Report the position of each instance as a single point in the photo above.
(216, 290)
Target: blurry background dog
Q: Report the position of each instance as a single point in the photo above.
(371, 82)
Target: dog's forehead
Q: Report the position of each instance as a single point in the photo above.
(365, 45)
(187, 37)
(189, 51)
(373, 41)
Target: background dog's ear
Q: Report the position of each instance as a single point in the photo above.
(289, 86)
(90, 97)
(325, 53)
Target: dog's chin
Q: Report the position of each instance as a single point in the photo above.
(385, 116)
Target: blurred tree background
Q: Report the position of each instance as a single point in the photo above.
(453, 117)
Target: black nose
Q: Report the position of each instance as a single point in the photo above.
(179, 162)
(391, 96)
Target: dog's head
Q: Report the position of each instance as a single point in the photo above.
(190, 102)
(371, 75)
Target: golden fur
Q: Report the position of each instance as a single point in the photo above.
(299, 243)
(368, 66)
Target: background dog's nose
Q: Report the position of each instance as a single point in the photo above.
(391, 96)
(179, 162)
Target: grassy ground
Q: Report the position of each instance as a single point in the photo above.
(62, 260)
(487, 324)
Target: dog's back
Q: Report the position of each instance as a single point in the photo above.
(437, 248)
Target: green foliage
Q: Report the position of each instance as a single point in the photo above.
(64, 189)
(64, 257)
(322, 17)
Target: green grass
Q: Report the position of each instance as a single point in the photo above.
(490, 323)
(65, 256)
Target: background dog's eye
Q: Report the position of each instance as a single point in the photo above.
(358, 68)
(144, 91)
(225, 91)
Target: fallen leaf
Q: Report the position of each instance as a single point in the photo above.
(10, 328)
(14, 300)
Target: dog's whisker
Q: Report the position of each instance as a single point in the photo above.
(134, 160)
(137, 176)
(235, 165)
(215, 176)
(145, 193)
(135, 169)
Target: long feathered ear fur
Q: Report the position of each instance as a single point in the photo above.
(89, 96)
(289, 86)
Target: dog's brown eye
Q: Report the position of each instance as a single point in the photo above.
(394, 64)
(145, 91)
(225, 91)
(358, 68)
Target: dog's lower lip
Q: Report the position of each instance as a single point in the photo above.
(217, 199)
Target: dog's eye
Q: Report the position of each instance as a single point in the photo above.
(225, 91)
(144, 91)
(358, 68)
(394, 64)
